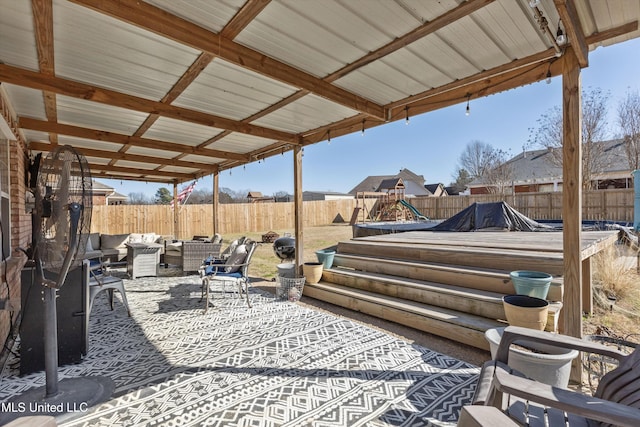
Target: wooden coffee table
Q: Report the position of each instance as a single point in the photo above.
(143, 259)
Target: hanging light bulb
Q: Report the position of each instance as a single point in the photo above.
(561, 39)
(362, 127)
(468, 110)
(329, 136)
(406, 115)
(548, 80)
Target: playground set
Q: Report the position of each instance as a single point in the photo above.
(389, 204)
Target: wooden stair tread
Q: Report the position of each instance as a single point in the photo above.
(460, 327)
(484, 271)
(342, 246)
(459, 291)
(468, 277)
(451, 316)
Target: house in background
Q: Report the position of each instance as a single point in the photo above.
(413, 184)
(324, 195)
(535, 171)
(437, 190)
(257, 197)
(105, 195)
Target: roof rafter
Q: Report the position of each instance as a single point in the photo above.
(240, 20)
(104, 154)
(160, 22)
(569, 17)
(484, 83)
(100, 135)
(43, 32)
(40, 81)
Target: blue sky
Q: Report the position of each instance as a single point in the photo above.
(431, 143)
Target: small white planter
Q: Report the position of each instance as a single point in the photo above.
(552, 366)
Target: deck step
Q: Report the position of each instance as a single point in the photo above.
(549, 262)
(456, 325)
(472, 301)
(491, 280)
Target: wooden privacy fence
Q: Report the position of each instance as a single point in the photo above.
(613, 205)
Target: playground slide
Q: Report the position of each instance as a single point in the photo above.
(413, 210)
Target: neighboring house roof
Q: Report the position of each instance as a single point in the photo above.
(254, 194)
(99, 188)
(414, 183)
(325, 195)
(437, 189)
(390, 184)
(537, 166)
(118, 196)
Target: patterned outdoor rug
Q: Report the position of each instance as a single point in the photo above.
(276, 364)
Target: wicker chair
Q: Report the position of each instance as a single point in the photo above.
(192, 254)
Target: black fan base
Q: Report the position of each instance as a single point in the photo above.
(75, 396)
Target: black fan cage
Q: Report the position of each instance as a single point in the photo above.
(64, 179)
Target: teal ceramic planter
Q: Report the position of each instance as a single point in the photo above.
(325, 256)
(532, 283)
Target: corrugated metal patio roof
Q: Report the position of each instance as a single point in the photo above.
(171, 90)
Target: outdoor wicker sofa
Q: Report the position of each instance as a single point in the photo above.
(189, 254)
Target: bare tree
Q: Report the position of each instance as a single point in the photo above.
(137, 198)
(476, 158)
(549, 135)
(629, 122)
(499, 177)
(487, 164)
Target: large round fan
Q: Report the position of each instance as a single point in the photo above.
(61, 224)
(63, 212)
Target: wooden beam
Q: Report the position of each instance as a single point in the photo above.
(573, 28)
(40, 81)
(99, 135)
(572, 200)
(243, 17)
(43, 32)
(516, 73)
(182, 31)
(216, 201)
(143, 172)
(115, 156)
(297, 207)
(176, 209)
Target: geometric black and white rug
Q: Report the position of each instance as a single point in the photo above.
(276, 364)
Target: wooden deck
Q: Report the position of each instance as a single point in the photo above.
(447, 283)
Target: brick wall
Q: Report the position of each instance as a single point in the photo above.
(20, 222)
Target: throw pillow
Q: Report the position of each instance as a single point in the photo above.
(88, 247)
(149, 238)
(237, 257)
(135, 238)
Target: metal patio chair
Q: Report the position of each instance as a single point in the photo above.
(234, 270)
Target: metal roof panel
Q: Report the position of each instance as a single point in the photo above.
(110, 53)
(227, 90)
(180, 132)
